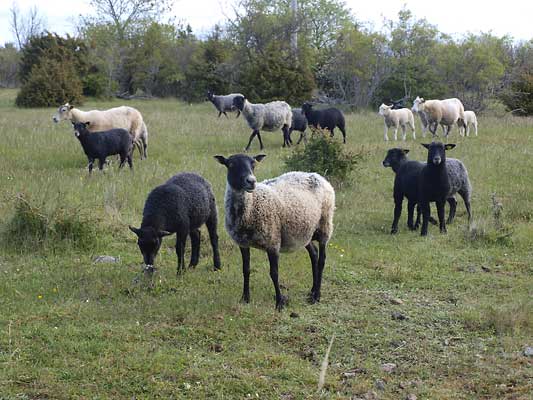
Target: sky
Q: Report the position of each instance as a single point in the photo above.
(455, 17)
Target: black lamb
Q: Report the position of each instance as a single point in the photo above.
(329, 118)
(299, 123)
(438, 181)
(181, 206)
(406, 185)
(100, 145)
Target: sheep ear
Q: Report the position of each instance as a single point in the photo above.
(405, 151)
(135, 230)
(70, 107)
(449, 146)
(259, 157)
(222, 160)
(426, 145)
(164, 233)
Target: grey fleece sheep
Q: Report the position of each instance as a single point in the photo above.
(223, 103)
(268, 117)
(299, 123)
(278, 215)
(181, 205)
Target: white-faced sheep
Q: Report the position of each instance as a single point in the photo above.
(444, 112)
(224, 103)
(278, 215)
(181, 205)
(119, 117)
(395, 119)
(470, 119)
(268, 117)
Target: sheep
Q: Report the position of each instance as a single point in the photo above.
(329, 118)
(399, 104)
(438, 180)
(100, 145)
(181, 205)
(299, 123)
(406, 185)
(396, 118)
(279, 214)
(119, 117)
(470, 119)
(444, 112)
(223, 103)
(269, 117)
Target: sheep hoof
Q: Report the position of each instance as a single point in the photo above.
(394, 231)
(443, 230)
(313, 298)
(283, 301)
(245, 299)
(432, 221)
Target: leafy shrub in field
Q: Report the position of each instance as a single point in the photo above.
(31, 228)
(325, 156)
(50, 83)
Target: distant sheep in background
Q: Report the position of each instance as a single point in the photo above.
(444, 112)
(224, 103)
(268, 117)
(395, 119)
(299, 123)
(470, 119)
(119, 117)
(329, 118)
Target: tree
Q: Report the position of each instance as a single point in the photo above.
(9, 65)
(26, 26)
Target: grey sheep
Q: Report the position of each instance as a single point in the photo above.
(181, 206)
(223, 103)
(299, 123)
(268, 117)
(278, 215)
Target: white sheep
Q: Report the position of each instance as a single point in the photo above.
(278, 215)
(268, 117)
(444, 112)
(396, 118)
(470, 119)
(124, 117)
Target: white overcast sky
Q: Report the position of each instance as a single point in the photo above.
(456, 17)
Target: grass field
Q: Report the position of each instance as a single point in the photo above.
(71, 328)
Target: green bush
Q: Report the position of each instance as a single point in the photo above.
(326, 156)
(50, 83)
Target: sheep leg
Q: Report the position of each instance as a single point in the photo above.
(180, 252)
(395, 133)
(331, 132)
(410, 214)
(130, 160)
(260, 141)
(219, 114)
(224, 112)
(213, 238)
(273, 259)
(195, 247)
(286, 136)
(254, 133)
(302, 136)
(313, 255)
(475, 128)
(101, 163)
(425, 218)
(404, 133)
(398, 200)
(466, 199)
(433, 128)
(238, 113)
(122, 160)
(440, 213)
(245, 253)
(145, 147)
(453, 206)
(320, 269)
(90, 166)
(418, 215)
(385, 137)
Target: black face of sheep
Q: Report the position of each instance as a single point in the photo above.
(80, 128)
(394, 157)
(306, 107)
(210, 95)
(238, 102)
(437, 152)
(241, 170)
(149, 242)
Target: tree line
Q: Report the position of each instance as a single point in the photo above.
(267, 50)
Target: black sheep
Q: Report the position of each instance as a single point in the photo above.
(406, 185)
(329, 118)
(436, 184)
(399, 104)
(181, 205)
(100, 145)
(299, 123)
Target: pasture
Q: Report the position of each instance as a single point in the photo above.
(453, 312)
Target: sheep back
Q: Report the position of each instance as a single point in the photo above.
(269, 117)
(106, 143)
(458, 176)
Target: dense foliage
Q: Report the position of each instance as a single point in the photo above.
(269, 52)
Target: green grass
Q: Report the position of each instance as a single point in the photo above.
(70, 328)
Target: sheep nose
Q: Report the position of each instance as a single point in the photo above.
(251, 180)
(436, 160)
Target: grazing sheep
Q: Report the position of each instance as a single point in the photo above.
(444, 112)
(223, 103)
(470, 119)
(299, 123)
(440, 179)
(396, 118)
(278, 215)
(181, 205)
(119, 117)
(406, 185)
(100, 145)
(268, 117)
(399, 104)
(329, 118)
